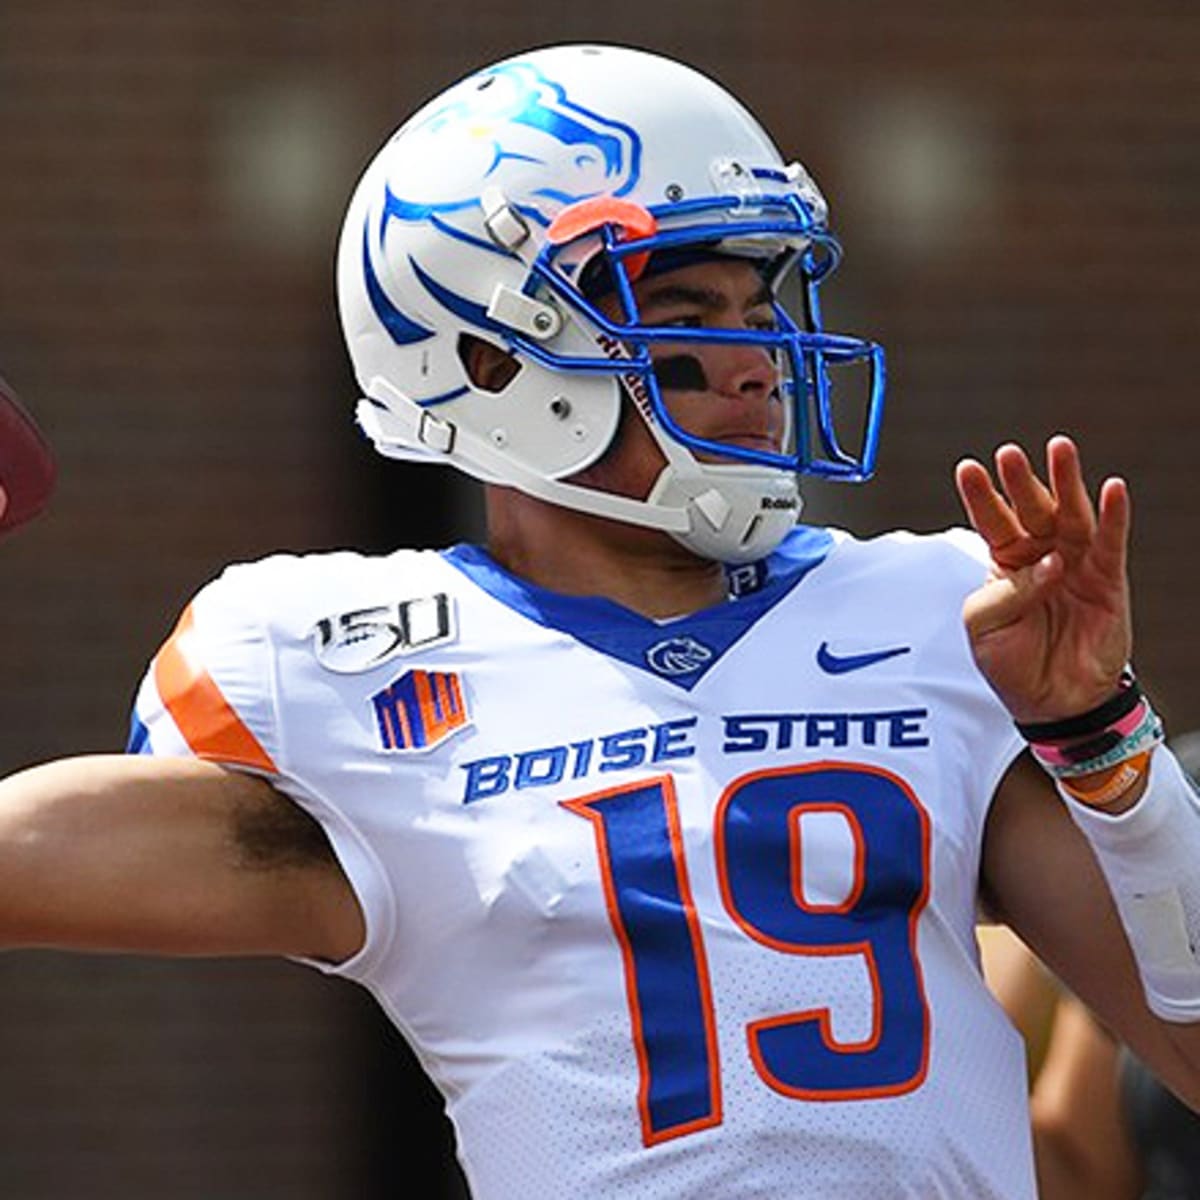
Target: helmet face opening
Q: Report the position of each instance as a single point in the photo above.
(531, 207)
(782, 238)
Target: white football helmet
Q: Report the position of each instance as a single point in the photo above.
(486, 215)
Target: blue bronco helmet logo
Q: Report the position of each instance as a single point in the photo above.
(508, 127)
(498, 124)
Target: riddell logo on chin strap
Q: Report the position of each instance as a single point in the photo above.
(779, 502)
(635, 384)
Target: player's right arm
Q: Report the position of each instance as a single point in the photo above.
(169, 856)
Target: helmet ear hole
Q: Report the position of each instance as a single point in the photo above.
(488, 367)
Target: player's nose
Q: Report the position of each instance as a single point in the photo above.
(743, 370)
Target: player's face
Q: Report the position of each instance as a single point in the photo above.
(722, 392)
(728, 393)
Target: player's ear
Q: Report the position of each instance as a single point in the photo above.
(488, 367)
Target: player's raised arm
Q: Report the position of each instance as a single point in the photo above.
(1051, 632)
(166, 856)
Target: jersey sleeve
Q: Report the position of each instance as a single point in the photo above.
(208, 691)
(212, 692)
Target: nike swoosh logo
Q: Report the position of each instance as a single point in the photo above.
(839, 664)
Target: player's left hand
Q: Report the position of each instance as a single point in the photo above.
(1050, 629)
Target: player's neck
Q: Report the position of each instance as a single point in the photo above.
(576, 554)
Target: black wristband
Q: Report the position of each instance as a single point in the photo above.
(1094, 721)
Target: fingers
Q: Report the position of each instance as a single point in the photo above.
(1024, 517)
(988, 512)
(1075, 518)
(1017, 524)
(1111, 546)
(1034, 504)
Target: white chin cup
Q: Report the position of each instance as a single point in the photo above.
(736, 513)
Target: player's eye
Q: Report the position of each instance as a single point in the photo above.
(692, 320)
(762, 320)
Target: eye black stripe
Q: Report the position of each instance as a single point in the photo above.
(681, 373)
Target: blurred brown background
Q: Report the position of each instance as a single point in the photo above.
(1017, 185)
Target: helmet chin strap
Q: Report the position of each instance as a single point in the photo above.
(736, 513)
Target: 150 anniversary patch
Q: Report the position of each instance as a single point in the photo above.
(363, 638)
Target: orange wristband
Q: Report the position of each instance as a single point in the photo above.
(1111, 784)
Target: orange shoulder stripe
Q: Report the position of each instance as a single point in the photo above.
(209, 726)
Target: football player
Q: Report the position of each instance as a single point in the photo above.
(659, 824)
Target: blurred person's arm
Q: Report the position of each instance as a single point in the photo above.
(1083, 1146)
(1027, 992)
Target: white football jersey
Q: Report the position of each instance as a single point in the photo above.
(666, 909)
